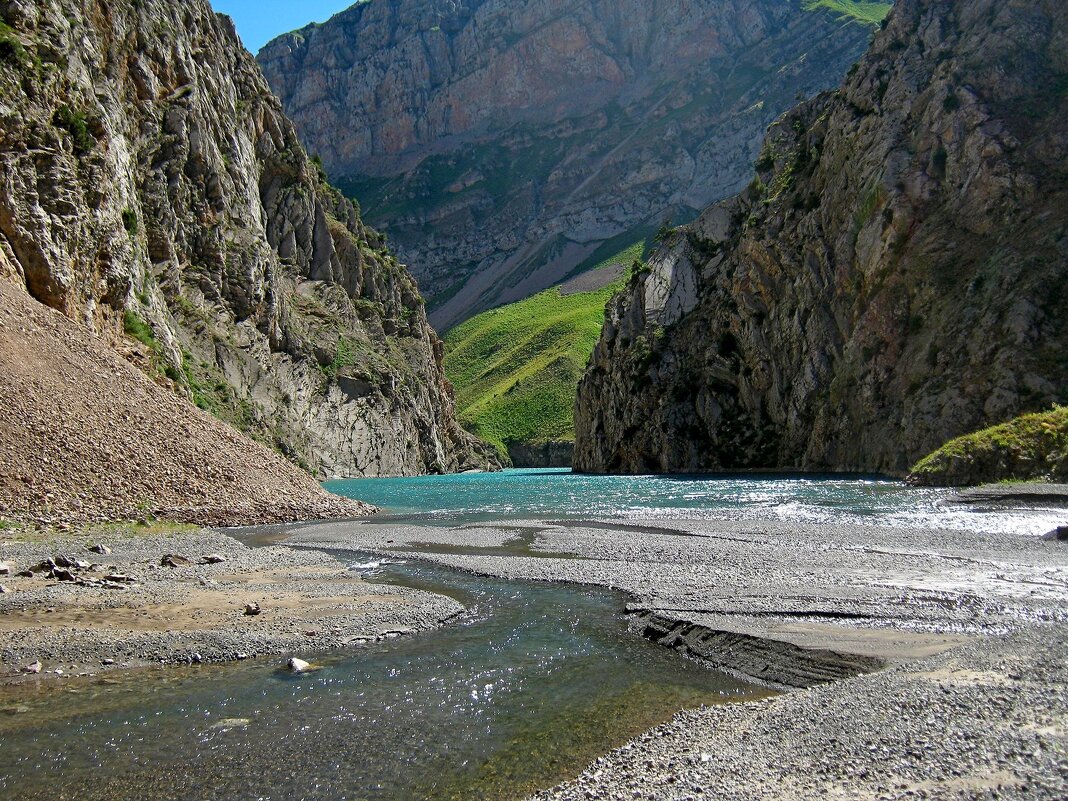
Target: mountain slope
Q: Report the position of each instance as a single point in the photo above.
(502, 142)
(516, 367)
(895, 275)
(152, 189)
(86, 436)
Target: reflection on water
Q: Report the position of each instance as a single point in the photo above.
(537, 682)
(559, 494)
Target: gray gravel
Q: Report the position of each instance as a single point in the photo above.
(973, 629)
(67, 627)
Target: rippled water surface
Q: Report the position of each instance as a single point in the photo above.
(534, 685)
(558, 494)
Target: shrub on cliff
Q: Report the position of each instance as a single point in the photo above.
(1034, 446)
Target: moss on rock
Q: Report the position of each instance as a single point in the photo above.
(1033, 446)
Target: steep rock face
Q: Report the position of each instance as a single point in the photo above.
(150, 181)
(503, 142)
(894, 277)
(553, 453)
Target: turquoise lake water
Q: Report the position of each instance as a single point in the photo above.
(560, 494)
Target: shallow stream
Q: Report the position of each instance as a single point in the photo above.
(535, 683)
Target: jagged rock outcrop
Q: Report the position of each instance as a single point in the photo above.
(895, 276)
(502, 142)
(150, 183)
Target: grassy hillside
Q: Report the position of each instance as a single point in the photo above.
(873, 13)
(516, 367)
(1034, 446)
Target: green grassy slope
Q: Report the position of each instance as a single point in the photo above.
(515, 368)
(873, 13)
(1034, 446)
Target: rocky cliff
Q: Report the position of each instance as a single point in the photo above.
(894, 276)
(503, 143)
(152, 190)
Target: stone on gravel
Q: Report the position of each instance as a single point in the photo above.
(4, 589)
(174, 560)
(34, 667)
(252, 609)
(212, 559)
(100, 548)
(5, 570)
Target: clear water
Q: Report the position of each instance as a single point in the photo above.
(534, 685)
(559, 494)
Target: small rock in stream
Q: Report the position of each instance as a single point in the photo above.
(231, 723)
(295, 665)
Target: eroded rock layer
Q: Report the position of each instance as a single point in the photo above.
(896, 275)
(503, 142)
(152, 189)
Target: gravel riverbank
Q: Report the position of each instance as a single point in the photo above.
(127, 608)
(970, 631)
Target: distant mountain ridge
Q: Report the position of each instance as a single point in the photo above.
(895, 275)
(502, 142)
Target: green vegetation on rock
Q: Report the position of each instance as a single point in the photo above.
(1034, 446)
(516, 368)
(873, 13)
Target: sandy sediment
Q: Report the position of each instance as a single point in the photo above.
(195, 612)
(934, 663)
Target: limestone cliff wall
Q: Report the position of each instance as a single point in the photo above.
(894, 276)
(150, 184)
(503, 141)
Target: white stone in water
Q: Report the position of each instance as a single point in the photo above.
(231, 723)
(295, 665)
